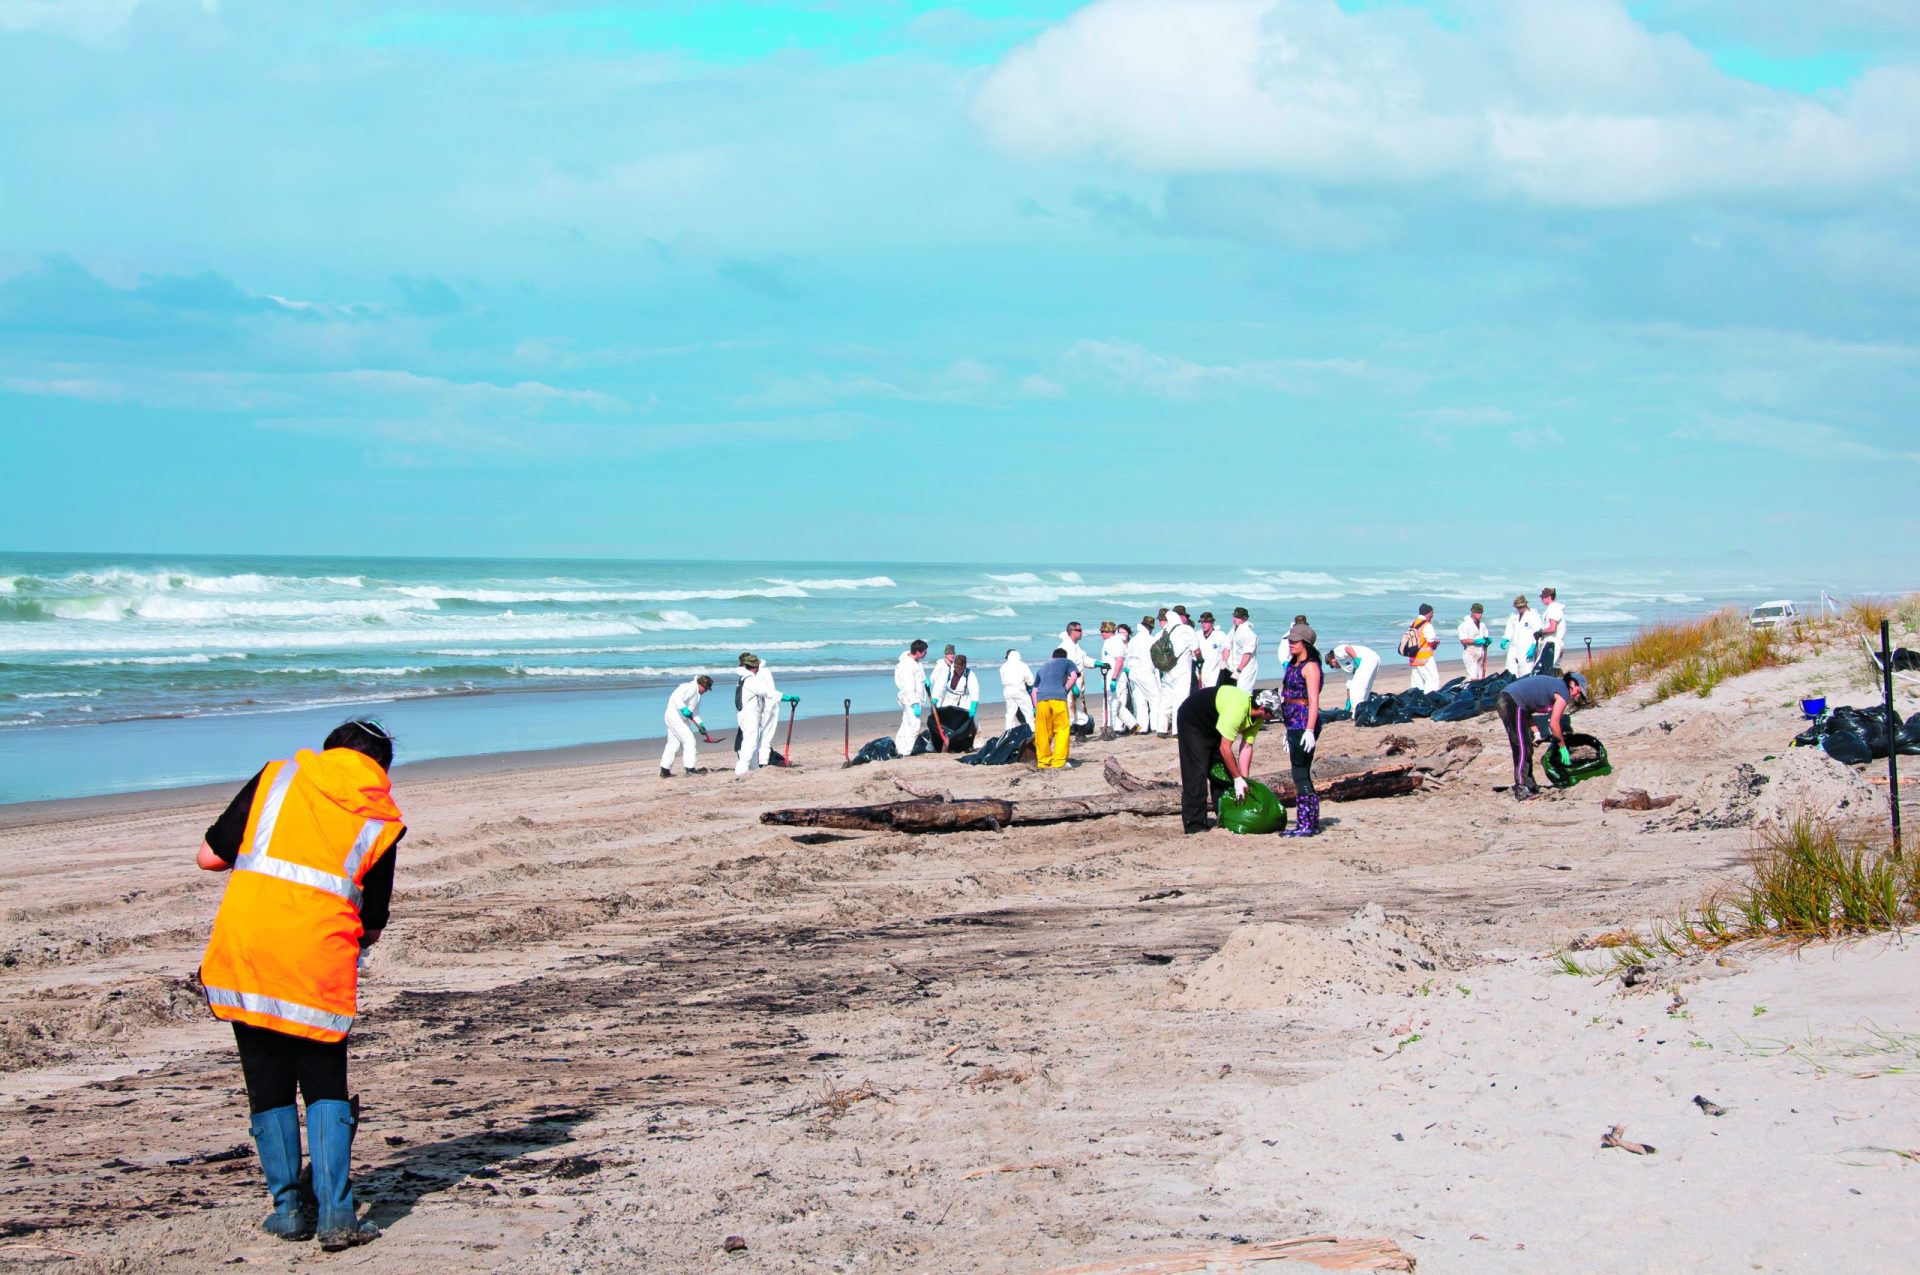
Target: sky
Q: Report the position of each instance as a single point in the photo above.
(1446, 283)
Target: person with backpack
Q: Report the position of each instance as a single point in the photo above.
(1418, 644)
(310, 844)
(1176, 678)
(1143, 677)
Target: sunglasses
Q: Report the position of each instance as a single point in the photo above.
(373, 726)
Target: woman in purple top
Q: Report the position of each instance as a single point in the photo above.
(1300, 713)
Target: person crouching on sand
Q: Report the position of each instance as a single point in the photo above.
(1222, 720)
(310, 843)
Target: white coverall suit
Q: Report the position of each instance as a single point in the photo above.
(1425, 666)
(1083, 662)
(1113, 653)
(966, 695)
(1472, 654)
(759, 712)
(1359, 663)
(910, 691)
(680, 736)
(1143, 679)
(1016, 688)
(1177, 682)
(1523, 630)
(1244, 642)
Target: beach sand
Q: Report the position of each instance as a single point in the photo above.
(617, 1020)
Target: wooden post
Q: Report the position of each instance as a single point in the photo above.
(1893, 751)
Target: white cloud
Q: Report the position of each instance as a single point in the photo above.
(1135, 367)
(964, 380)
(1812, 440)
(1568, 103)
(90, 21)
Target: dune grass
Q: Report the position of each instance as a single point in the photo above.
(1809, 881)
(1687, 656)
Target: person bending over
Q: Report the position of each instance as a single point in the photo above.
(1537, 693)
(1053, 686)
(1217, 722)
(310, 844)
(682, 716)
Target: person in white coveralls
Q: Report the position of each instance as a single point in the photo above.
(1113, 653)
(1474, 641)
(1243, 651)
(910, 689)
(1016, 690)
(1177, 682)
(1069, 641)
(760, 702)
(1143, 680)
(1213, 650)
(1359, 663)
(682, 717)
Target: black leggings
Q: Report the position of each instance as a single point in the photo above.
(275, 1063)
(1300, 760)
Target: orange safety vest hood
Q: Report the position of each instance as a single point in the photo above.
(285, 951)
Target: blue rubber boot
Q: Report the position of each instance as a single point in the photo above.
(1307, 816)
(276, 1136)
(330, 1125)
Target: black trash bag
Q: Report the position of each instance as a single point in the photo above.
(1367, 712)
(1002, 750)
(881, 749)
(1418, 703)
(776, 758)
(956, 734)
(1812, 735)
(1905, 661)
(1459, 710)
(1847, 747)
(1335, 715)
(1450, 686)
(1871, 724)
(1907, 741)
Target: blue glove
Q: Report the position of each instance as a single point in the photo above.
(1533, 650)
(789, 699)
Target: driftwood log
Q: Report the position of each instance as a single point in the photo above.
(1393, 777)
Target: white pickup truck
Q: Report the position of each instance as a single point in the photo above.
(1769, 615)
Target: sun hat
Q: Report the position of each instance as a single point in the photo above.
(1303, 633)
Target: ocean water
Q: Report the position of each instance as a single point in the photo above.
(123, 672)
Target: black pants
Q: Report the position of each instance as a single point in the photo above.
(1301, 760)
(1197, 727)
(275, 1063)
(1548, 660)
(1519, 739)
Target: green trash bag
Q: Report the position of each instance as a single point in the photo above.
(1587, 755)
(1260, 812)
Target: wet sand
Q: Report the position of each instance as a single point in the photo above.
(617, 1019)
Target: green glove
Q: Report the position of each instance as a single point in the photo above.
(789, 699)
(916, 710)
(1503, 644)
(973, 707)
(687, 713)
(1566, 758)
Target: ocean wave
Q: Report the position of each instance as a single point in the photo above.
(168, 608)
(507, 628)
(1018, 577)
(57, 695)
(1071, 577)
(508, 597)
(1187, 591)
(868, 582)
(1601, 617)
(691, 670)
(198, 657)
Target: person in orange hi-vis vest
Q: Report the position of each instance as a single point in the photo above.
(310, 843)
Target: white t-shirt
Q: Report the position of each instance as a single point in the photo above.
(1213, 651)
(1554, 611)
(1244, 641)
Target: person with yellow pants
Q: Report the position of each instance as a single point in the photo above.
(310, 845)
(1054, 685)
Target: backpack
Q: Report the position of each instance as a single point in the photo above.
(1161, 652)
(1410, 640)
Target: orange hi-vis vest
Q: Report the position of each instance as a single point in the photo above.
(285, 952)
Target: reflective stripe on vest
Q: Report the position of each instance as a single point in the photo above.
(255, 1003)
(258, 860)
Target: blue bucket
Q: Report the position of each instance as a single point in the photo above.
(1813, 706)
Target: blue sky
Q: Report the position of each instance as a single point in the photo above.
(1159, 279)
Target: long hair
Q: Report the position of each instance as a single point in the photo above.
(1312, 654)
